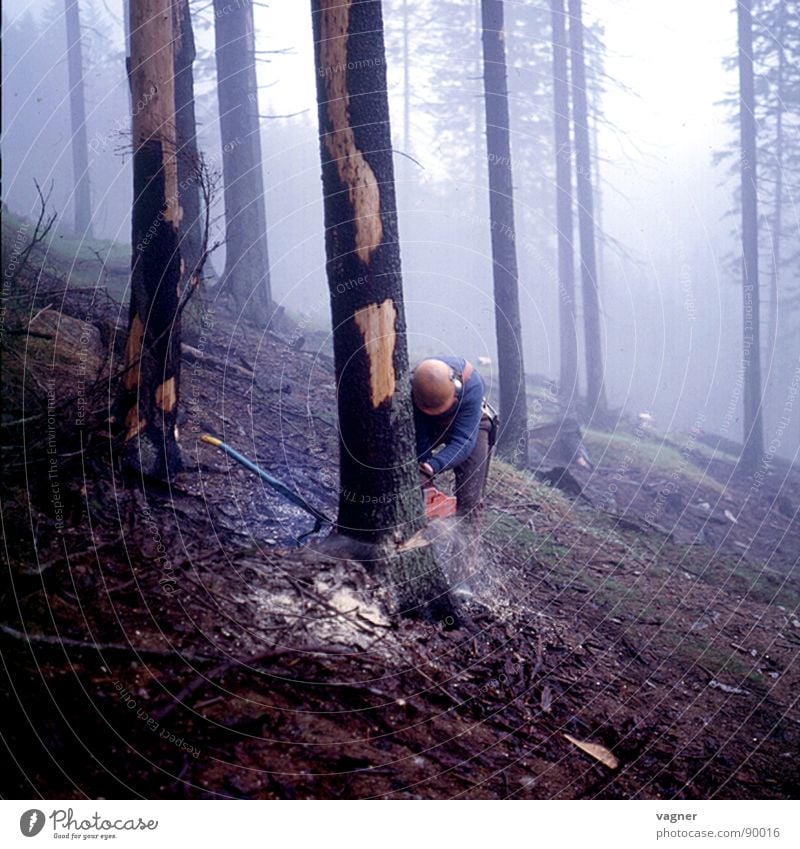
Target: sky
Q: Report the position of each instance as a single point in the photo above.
(661, 198)
(669, 56)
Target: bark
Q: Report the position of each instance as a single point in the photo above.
(751, 361)
(191, 231)
(126, 17)
(246, 276)
(406, 81)
(148, 399)
(595, 379)
(568, 336)
(777, 220)
(77, 108)
(513, 438)
(479, 113)
(380, 498)
(186, 134)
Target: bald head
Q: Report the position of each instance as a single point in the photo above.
(433, 387)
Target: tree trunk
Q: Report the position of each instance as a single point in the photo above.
(406, 81)
(751, 363)
(513, 437)
(191, 232)
(77, 108)
(186, 132)
(777, 220)
(568, 382)
(126, 17)
(148, 398)
(380, 497)
(246, 276)
(595, 388)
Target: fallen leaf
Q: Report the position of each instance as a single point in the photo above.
(598, 752)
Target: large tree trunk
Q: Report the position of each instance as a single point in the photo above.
(148, 398)
(246, 276)
(380, 497)
(513, 438)
(568, 335)
(595, 385)
(77, 108)
(751, 361)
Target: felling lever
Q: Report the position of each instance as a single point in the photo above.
(319, 517)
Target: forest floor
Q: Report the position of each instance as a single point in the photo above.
(653, 619)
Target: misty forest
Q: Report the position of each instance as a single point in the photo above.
(401, 399)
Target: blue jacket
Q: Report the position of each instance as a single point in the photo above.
(462, 424)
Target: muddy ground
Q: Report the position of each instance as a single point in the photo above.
(178, 642)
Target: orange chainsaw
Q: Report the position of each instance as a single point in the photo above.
(438, 505)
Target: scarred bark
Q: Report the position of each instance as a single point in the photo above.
(148, 398)
(380, 497)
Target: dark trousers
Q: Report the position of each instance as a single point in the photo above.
(472, 473)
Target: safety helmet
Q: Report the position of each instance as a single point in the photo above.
(434, 386)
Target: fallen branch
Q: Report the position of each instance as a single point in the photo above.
(48, 641)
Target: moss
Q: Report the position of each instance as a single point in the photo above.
(647, 454)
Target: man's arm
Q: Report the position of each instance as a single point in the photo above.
(464, 431)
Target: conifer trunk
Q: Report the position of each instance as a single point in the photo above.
(380, 498)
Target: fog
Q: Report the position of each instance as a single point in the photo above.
(669, 279)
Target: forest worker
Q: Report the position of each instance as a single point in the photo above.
(451, 413)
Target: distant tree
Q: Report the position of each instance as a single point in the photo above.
(379, 486)
(776, 93)
(77, 101)
(595, 380)
(191, 236)
(406, 76)
(247, 274)
(568, 334)
(776, 69)
(148, 398)
(776, 60)
(513, 436)
(753, 429)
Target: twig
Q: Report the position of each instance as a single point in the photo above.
(47, 641)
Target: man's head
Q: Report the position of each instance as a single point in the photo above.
(434, 387)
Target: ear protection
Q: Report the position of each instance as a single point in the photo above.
(457, 384)
(455, 379)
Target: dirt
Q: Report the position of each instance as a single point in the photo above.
(179, 642)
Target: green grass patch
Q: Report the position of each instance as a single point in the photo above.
(82, 263)
(645, 456)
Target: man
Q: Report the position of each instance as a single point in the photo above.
(450, 411)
